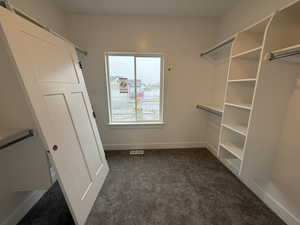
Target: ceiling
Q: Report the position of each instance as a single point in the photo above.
(149, 7)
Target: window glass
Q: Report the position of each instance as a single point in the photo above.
(134, 88)
(148, 88)
(122, 90)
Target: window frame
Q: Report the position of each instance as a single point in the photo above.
(108, 88)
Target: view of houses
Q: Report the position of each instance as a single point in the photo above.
(126, 107)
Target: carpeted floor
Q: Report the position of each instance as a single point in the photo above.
(51, 209)
(171, 187)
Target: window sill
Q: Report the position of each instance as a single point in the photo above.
(145, 124)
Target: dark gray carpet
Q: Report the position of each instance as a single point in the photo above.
(171, 187)
(51, 209)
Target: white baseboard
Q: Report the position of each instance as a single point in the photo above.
(272, 203)
(149, 146)
(23, 208)
(212, 149)
(268, 199)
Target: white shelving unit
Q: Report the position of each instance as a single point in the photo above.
(233, 142)
(259, 135)
(236, 128)
(250, 39)
(233, 149)
(244, 66)
(250, 54)
(233, 163)
(271, 155)
(240, 91)
(236, 119)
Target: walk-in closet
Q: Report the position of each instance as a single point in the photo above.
(149, 112)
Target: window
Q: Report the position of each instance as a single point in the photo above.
(135, 88)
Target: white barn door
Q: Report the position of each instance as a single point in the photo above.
(48, 67)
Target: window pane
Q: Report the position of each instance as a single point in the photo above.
(122, 90)
(148, 71)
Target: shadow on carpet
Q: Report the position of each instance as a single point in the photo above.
(51, 209)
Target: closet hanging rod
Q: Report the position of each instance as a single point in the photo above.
(9, 6)
(15, 138)
(274, 56)
(210, 110)
(220, 45)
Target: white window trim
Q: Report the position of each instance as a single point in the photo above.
(135, 54)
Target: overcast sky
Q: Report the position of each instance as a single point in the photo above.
(148, 68)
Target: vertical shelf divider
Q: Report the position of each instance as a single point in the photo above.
(245, 63)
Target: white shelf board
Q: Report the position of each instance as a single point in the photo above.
(234, 150)
(242, 80)
(276, 194)
(236, 128)
(249, 54)
(290, 48)
(211, 108)
(241, 106)
(235, 164)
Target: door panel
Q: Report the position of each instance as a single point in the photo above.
(69, 152)
(60, 68)
(48, 69)
(85, 132)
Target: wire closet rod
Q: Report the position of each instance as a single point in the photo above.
(220, 45)
(207, 109)
(18, 137)
(9, 6)
(274, 56)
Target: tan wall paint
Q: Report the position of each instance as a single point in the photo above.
(180, 40)
(247, 13)
(45, 11)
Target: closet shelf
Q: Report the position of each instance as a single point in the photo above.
(236, 128)
(234, 164)
(241, 106)
(10, 137)
(242, 80)
(249, 54)
(234, 150)
(217, 110)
